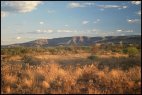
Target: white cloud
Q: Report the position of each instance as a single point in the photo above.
(66, 31)
(98, 20)
(18, 38)
(80, 5)
(66, 25)
(136, 2)
(85, 22)
(38, 31)
(75, 5)
(139, 12)
(111, 6)
(44, 31)
(19, 6)
(129, 31)
(119, 30)
(49, 30)
(133, 20)
(96, 31)
(88, 3)
(41, 22)
(124, 7)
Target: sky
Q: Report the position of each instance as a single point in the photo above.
(23, 21)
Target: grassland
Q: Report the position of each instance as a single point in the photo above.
(71, 70)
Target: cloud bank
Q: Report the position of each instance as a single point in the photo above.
(18, 6)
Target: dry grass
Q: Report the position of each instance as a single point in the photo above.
(108, 76)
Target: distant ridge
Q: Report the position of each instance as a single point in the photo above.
(80, 40)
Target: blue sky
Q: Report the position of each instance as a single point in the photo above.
(23, 21)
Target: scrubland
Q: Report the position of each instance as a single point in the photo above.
(71, 70)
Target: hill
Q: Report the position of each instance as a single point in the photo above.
(80, 40)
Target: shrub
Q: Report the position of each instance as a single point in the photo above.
(93, 57)
(30, 60)
(4, 51)
(86, 48)
(52, 51)
(125, 51)
(132, 51)
(94, 49)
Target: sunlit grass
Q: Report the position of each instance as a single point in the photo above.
(71, 74)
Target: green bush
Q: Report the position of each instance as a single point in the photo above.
(132, 51)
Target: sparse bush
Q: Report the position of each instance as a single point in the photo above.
(27, 58)
(125, 51)
(95, 49)
(86, 48)
(30, 60)
(93, 57)
(52, 51)
(132, 51)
